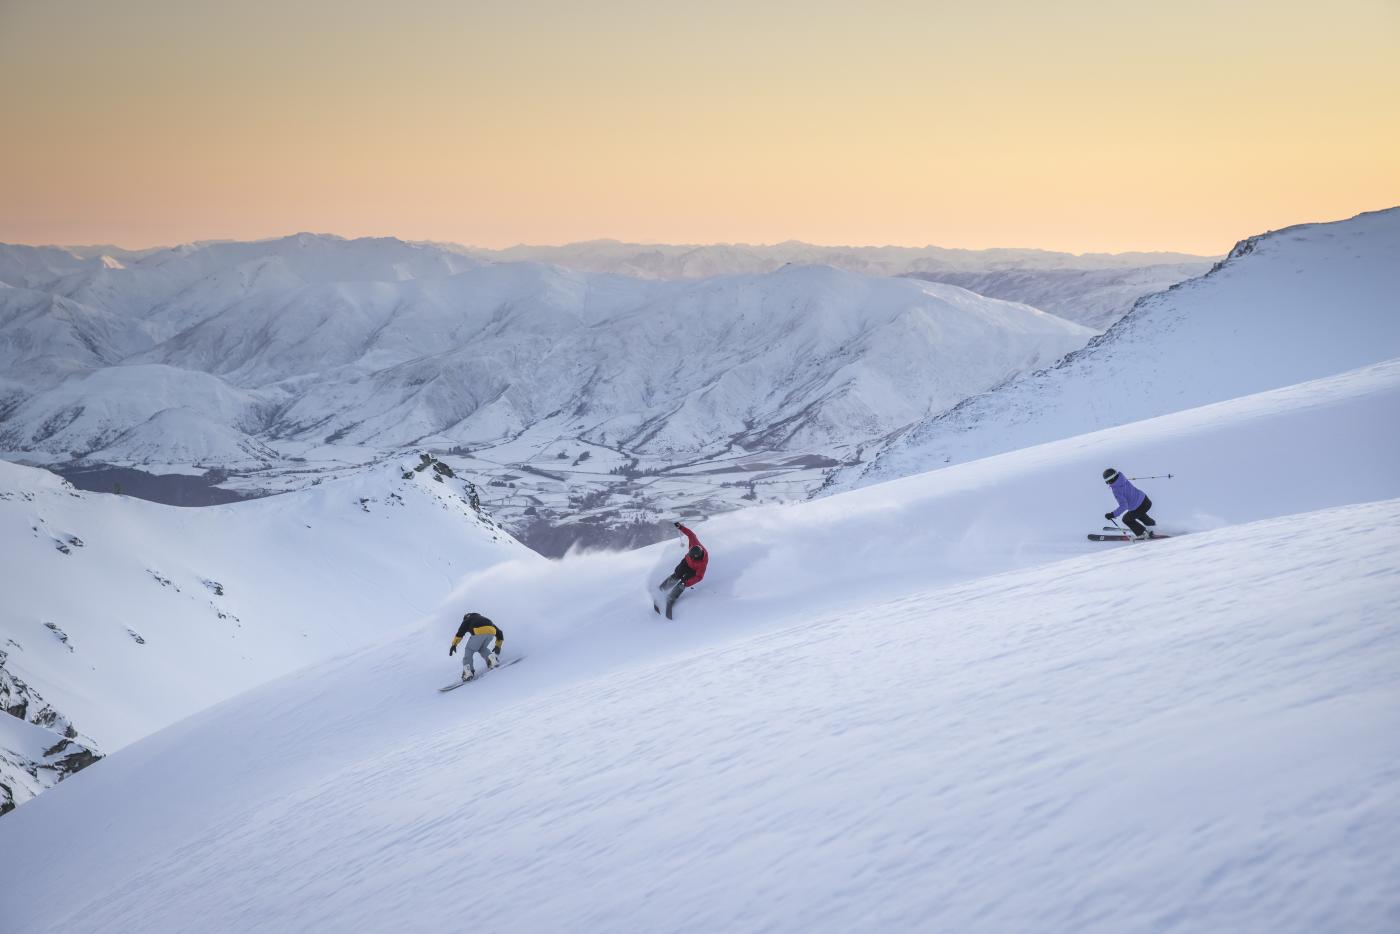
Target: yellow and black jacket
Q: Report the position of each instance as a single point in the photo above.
(478, 625)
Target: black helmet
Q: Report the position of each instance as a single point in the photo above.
(1109, 475)
(696, 553)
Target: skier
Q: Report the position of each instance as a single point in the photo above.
(688, 573)
(482, 631)
(1132, 503)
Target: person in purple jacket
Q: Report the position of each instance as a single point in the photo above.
(1132, 504)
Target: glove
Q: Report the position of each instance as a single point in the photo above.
(676, 524)
(1108, 516)
(452, 651)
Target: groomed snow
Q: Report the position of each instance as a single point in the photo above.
(925, 705)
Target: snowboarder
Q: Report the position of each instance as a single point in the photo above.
(1132, 504)
(688, 573)
(482, 631)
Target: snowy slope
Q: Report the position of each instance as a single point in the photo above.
(125, 615)
(1093, 297)
(108, 407)
(1288, 306)
(929, 704)
(45, 337)
(33, 758)
(180, 435)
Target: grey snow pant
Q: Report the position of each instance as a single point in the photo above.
(674, 590)
(475, 645)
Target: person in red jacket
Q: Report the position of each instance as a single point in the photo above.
(688, 573)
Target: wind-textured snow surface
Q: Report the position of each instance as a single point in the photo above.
(1288, 306)
(930, 704)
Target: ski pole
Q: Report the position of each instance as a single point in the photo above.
(1160, 476)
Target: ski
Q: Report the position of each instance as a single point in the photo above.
(481, 674)
(1095, 537)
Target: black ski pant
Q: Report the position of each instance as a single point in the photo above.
(677, 578)
(1135, 519)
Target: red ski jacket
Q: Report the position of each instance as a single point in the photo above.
(697, 566)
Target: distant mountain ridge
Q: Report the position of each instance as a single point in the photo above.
(1093, 289)
(698, 260)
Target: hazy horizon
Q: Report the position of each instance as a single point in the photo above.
(1089, 127)
(149, 247)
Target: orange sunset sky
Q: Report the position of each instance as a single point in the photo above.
(1081, 126)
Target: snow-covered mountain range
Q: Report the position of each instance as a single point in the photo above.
(1284, 307)
(597, 401)
(121, 616)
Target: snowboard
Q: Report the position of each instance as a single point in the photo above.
(1120, 537)
(479, 675)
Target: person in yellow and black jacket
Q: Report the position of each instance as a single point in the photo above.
(478, 631)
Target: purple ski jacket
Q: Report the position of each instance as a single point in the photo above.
(1129, 497)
